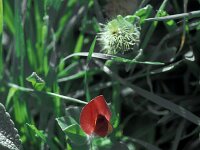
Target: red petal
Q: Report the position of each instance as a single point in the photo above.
(90, 112)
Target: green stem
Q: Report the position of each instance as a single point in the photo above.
(66, 98)
(24, 89)
(90, 145)
(91, 139)
(153, 26)
(111, 57)
(188, 15)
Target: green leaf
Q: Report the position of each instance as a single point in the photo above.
(179, 110)
(19, 41)
(79, 43)
(79, 74)
(146, 145)
(144, 13)
(178, 136)
(74, 112)
(1, 17)
(113, 58)
(11, 93)
(132, 19)
(66, 71)
(107, 144)
(37, 82)
(65, 121)
(169, 24)
(38, 133)
(76, 134)
(198, 26)
(1, 30)
(153, 26)
(102, 143)
(134, 61)
(54, 3)
(9, 138)
(119, 146)
(8, 17)
(91, 50)
(72, 115)
(88, 97)
(167, 104)
(69, 125)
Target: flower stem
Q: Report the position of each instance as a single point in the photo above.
(91, 140)
(67, 98)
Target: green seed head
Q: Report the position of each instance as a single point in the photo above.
(120, 35)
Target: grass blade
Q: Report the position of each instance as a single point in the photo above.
(91, 50)
(153, 26)
(178, 135)
(1, 30)
(113, 58)
(19, 40)
(146, 145)
(1, 16)
(86, 72)
(157, 99)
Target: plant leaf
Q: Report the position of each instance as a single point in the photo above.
(76, 134)
(181, 111)
(11, 93)
(65, 121)
(9, 138)
(37, 82)
(37, 132)
(1, 17)
(72, 114)
(147, 146)
(69, 125)
(144, 13)
(1, 30)
(113, 58)
(91, 50)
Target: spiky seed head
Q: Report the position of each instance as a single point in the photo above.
(120, 35)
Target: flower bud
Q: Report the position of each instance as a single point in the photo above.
(120, 35)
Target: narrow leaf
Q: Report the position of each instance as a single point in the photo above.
(146, 145)
(1, 17)
(113, 58)
(157, 99)
(1, 30)
(38, 133)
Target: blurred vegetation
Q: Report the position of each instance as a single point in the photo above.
(51, 61)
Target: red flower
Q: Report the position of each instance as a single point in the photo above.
(95, 117)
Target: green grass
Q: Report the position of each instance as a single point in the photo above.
(51, 65)
(1, 29)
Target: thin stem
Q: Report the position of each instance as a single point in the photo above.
(91, 140)
(48, 93)
(66, 98)
(111, 57)
(189, 15)
(91, 145)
